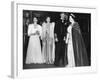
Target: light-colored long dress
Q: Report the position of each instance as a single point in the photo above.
(70, 52)
(48, 49)
(34, 48)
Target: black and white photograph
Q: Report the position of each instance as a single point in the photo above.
(54, 39)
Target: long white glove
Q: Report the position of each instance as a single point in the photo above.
(67, 39)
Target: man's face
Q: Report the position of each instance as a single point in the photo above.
(62, 15)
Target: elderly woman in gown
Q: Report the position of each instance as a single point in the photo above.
(48, 41)
(34, 48)
(76, 52)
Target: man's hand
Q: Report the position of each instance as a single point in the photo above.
(55, 37)
(56, 40)
(64, 39)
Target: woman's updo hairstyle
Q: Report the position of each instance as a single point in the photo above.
(73, 16)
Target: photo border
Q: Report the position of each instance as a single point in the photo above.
(17, 69)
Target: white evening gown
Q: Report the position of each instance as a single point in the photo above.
(70, 52)
(34, 48)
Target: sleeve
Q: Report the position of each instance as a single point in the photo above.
(29, 30)
(52, 29)
(67, 37)
(43, 31)
(53, 26)
(40, 30)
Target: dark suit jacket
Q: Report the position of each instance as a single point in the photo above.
(60, 30)
(60, 47)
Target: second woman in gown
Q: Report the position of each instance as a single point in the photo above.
(77, 54)
(48, 41)
(70, 52)
(34, 54)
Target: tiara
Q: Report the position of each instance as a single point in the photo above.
(72, 15)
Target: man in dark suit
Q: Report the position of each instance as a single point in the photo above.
(60, 46)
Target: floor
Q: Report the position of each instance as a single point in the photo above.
(37, 66)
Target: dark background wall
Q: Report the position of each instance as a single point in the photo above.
(84, 20)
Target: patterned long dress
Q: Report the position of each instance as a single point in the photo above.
(48, 43)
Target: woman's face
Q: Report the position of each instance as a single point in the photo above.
(71, 19)
(48, 19)
(35, 19)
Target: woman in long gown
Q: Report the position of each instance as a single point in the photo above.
(77, 54)
(34, 48)
(70, 52)
(48, 41)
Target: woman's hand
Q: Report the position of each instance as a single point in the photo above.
(66, 41)
(37, 32)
